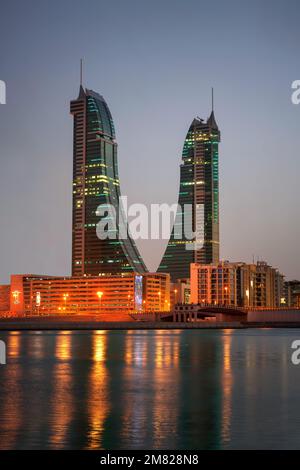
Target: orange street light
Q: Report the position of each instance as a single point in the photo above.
(65, 297)
(99, 295)
(159, 296)
(248, 296)
(226, 290)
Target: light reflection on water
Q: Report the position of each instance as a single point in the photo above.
(149, 389)
(227, 381)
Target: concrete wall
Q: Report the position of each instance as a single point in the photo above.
(274, 316)
(220, 317)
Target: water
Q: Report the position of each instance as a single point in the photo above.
(150, 390)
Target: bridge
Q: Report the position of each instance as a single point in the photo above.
(194, 312)
(191, 312)
(183, 313)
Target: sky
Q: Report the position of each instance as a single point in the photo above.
(155, 63)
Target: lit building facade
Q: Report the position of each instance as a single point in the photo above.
(4, 297)
(95, 183)
(20, 299)
(49, 295)
(236, 284)
(292, 293)
(199, 189)
(180, 292)
(214, 284)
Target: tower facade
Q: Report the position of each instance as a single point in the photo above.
(198, 194)
(95, 183)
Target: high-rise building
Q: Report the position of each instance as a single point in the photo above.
(199, 188)
(95, 183)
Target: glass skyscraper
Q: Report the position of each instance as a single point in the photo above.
(96, 182)
(198, 194)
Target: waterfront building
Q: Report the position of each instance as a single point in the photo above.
(90, 295)
(198, 200)
(4, 297)
(292, 293)
(181, 292)
(236, 284)
(95, 183)
(264, 287)
(279, 289)
(214, 284)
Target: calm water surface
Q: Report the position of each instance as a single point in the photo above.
(150, 389)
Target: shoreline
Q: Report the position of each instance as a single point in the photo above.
(76, 324)
(117, 326)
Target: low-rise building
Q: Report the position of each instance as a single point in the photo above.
(213, 284)
(4, 297)
(236, 284)
(292, 293)
(43, 295)
(180, 292)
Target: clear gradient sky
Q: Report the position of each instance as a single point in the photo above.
(154, 62)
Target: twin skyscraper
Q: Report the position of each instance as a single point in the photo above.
(96, 182)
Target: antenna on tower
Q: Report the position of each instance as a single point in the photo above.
(81, 71)
(212, 99)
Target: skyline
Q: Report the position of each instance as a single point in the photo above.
(253, 109)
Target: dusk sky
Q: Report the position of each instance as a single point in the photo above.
(155, 63)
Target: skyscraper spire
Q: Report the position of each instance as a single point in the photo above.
(211, 120)
(81, 70)
(81, 89)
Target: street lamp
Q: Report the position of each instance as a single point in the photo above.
(99, 295)
(226, 289)
(175, 297)
(38, 301)
(65, 297)
(247, 295)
